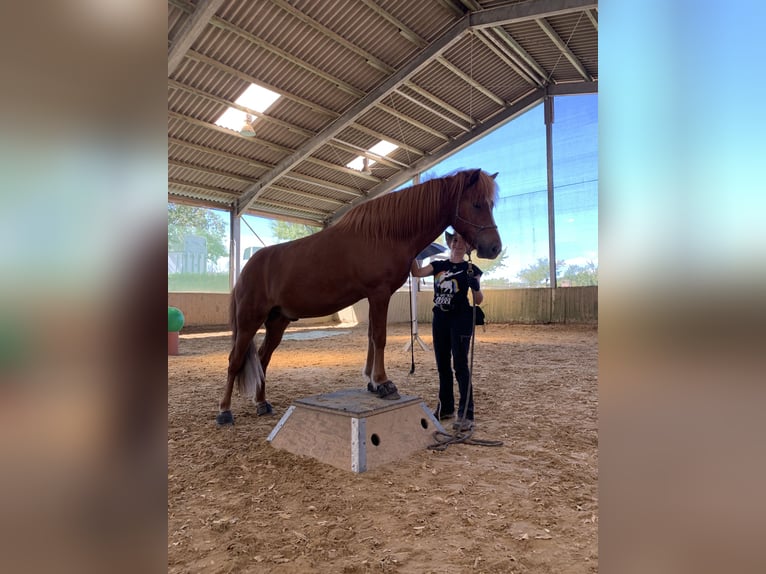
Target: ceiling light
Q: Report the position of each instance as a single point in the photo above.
(247, 129)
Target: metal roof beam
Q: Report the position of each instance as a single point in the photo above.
(341, 168)
(452, 7)
(469, 80)
(233, 194)
(421, 42)
(360, 151)
(210, 171)
(523, 11)
(281, 123)
(305, 195)
(572, 88)
(411, 35)
(439, 102)
(219, 153)
(290, 206)
(311, 105)
(501, 51)
(253, 80)
(593, 17)
(182, 200)
(202, 187)
(280, 214)
(561, 45)
(519, 107)
(276, 147)
(431, 110)
(311, 180)
(227, 131)
(370, 132)
(371, 60)
(411, 121)
(255, 40)
(528, 65)
(508, 40)
(296, 176)
(371, 99)
(191, 30)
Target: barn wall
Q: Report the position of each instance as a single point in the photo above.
(562, 305)
(212, 310)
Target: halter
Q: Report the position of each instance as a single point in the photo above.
(458, 218)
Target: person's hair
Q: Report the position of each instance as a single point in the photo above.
(450, 236)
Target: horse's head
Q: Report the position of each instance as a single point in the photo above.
(473, 214)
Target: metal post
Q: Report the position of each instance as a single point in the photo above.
(548, 112)
(414, 288)
(234, 247)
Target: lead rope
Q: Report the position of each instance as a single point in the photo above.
(443, 439)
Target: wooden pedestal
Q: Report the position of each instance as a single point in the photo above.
(355, 430)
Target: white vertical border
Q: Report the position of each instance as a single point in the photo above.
(280, 424)
(358, 444)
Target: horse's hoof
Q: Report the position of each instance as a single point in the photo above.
(263, 408)
(387, 391)
(224, 418)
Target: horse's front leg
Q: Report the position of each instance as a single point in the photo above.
(367, 371)
(380, 383)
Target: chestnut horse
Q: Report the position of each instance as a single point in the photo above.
(367, 253)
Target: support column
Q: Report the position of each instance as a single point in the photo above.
(234, 247)
(548, 112)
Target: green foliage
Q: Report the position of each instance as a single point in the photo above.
(538, 274)
(581, 275)
(187, 220)
(489, 265)
(286, 231)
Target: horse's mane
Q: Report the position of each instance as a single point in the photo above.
(399, 214)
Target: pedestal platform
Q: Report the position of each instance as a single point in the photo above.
(355, 430)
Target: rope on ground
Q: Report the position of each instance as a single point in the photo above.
(444, 439)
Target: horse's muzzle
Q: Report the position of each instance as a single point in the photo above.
(489, 249)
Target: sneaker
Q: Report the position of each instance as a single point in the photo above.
(463, 425)
(440, 416)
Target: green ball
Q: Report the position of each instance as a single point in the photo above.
(175, 319)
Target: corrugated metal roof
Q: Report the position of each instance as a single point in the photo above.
(423, 75)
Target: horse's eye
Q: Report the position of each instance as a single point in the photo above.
(477, 205)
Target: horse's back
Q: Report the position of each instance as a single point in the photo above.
(317, 275)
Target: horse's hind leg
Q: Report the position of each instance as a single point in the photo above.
(275, 328)
(237, 357)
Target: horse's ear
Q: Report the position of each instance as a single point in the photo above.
(494, 175)
(474, 177)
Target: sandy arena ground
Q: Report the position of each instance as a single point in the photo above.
(237, 504)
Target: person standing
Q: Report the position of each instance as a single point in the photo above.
(452, 327)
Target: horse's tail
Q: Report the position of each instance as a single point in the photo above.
(250, 376)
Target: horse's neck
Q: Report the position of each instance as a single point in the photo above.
(434, 223)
